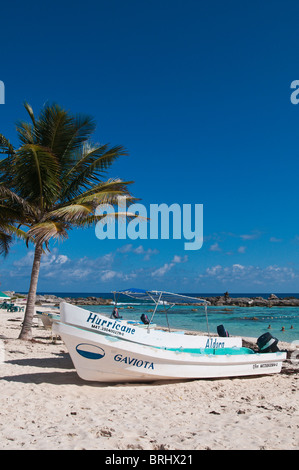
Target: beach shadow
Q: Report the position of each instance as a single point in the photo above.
(72, 378)
(63, 361)
(54, 378)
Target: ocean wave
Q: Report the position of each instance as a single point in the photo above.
(131, 303)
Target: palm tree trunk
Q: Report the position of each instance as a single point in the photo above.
(26, 332)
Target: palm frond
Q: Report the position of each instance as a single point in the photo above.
(93, 163)
(19, 233)
(53, 127)
(30, 112)
(6, 147)
(8, 216)
(5, 242)
(36, 172)
(83, 127)
(119, 217)
(25, 132)
(44, 231)
(62, 132)
(9, 200)
(72, 213)
(106, 192)
(7, 234)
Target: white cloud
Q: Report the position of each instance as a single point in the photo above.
(168, 266)
(48, 259)
(125, 248)
(241, 249)
(139, 250)
(251, 236)
(214, 270)
(238, 266)
(27, 260)
(107, 275)
(66, 274)
(248, 275)
(275, 240)
(215, 247)
(180, 259)
(58, 268)
(163, 270)
(61, 259)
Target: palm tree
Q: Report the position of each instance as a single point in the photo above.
(5, 241)
(52, 183)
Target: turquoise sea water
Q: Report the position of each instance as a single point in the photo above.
(239, 321)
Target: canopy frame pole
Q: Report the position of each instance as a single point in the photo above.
(155, 309)
(152, 294)
(206, 312)
(166, 310)
(115, 295)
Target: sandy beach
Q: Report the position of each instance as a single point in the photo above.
(45, 405)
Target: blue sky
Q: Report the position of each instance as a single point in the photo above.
(199, 94)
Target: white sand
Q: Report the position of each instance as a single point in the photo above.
(45, 405)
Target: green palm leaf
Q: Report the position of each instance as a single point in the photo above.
(5, 242)
(53, 182)
(10, 199)
(5, 146)
(106, 192)
(44, 231)
(36, 172)
(62, 132)
(92, 164)
(72, 213)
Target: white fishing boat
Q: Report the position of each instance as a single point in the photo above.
(107, 358)
(47, 318)
(147, 334)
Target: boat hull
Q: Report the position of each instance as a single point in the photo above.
(47, 319)
(104, 358)
(98, 323)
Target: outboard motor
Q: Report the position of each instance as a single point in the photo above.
(222, 331)
(267, 343)
(144, 319)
